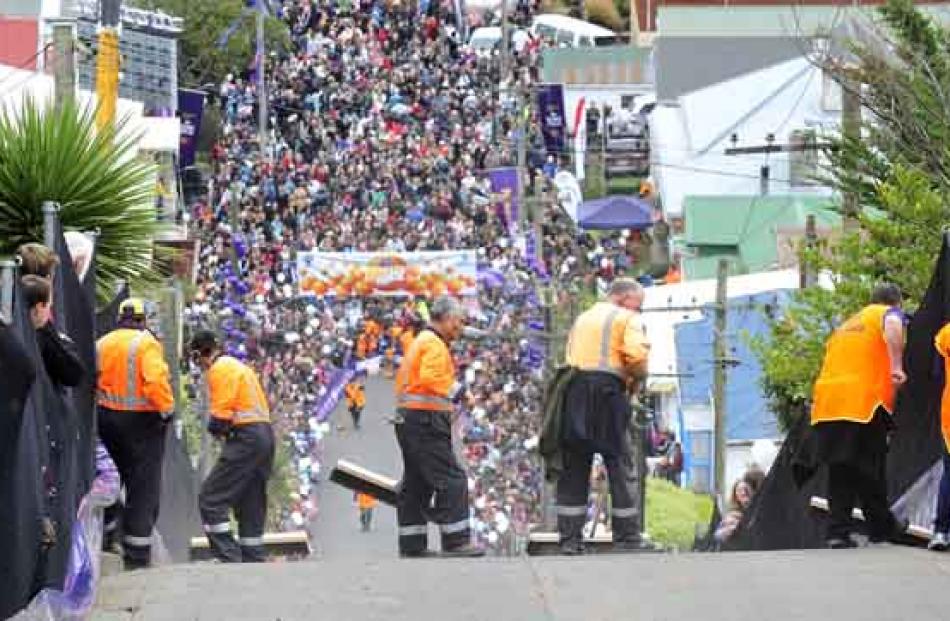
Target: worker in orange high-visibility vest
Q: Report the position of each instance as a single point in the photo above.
(406, 338)
(240, 416)
(852, 402)
(941, 538)
(365, 503)
(355, 399)
(134, 403)
(425, 389)
(392, 341)
(608, 348)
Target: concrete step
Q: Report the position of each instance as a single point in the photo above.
(110, 564)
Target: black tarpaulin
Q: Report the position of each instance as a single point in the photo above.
(107, 317)
(780, 518)
(24, 567)
(178, 519)
(79, 322)
(18, 532)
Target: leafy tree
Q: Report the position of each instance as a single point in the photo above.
(200, 60)
(899, 168)
(49, 154)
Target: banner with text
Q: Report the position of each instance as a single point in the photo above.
(551, 111)
(506, 194)
(365, 274)
(191, 105)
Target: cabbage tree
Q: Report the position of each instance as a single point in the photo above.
(52, 153)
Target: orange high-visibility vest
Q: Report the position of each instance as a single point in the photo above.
(942, 342)
(426, 375)
(355, 395)
(855, 376)
(405, 341)
(365, 501)
(607, 338)
(133, 376)
(235, 393)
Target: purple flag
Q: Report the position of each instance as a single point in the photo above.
(505, 187)
(531, 254)
(551, 107)
(191, 105)
(327, 403)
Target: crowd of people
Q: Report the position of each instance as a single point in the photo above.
(383, 126)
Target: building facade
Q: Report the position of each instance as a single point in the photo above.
(148, 51)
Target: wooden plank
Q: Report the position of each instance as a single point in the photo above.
(359, 479)
(547, 544)
(915, 531)
(294, 543)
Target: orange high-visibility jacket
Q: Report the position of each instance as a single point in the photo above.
(365, 501)
(405, 341)
(426, 375)
(855, 376)
(235, 393)
(942, 342)
(362, 346)
(133, 376)
(355, 395)
(608, 338)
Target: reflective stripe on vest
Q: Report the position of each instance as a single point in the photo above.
(603, 364)
(409, 401)
(603, 360)
(256, 415)
(252, 416)
(129, 401)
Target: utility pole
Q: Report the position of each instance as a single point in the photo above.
(603, 149)
(635, 23)
(524, 112)
(505, 41)
(261, 97)
(719, 379)
(805, 276)
(107, 64)
(64, 62)
(851, 130)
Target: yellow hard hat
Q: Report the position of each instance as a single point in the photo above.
(132, 308)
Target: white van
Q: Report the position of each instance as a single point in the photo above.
(569, 32)
(484, 40)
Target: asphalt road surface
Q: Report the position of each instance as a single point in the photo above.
(358, 576)
(335, 533)
(883, 584)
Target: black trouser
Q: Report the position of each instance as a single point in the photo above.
(355, 412)
(849, 485)
(239, 481)
(136, 443)
(366, 519)
(430, 468)
(573, 491)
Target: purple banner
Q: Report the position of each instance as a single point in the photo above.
(505, 194)
(551, 111)
(339, 378)
(191, 105)
(535, 260)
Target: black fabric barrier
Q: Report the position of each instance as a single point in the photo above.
(47, 441)
(780, 518)
(178, 519)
